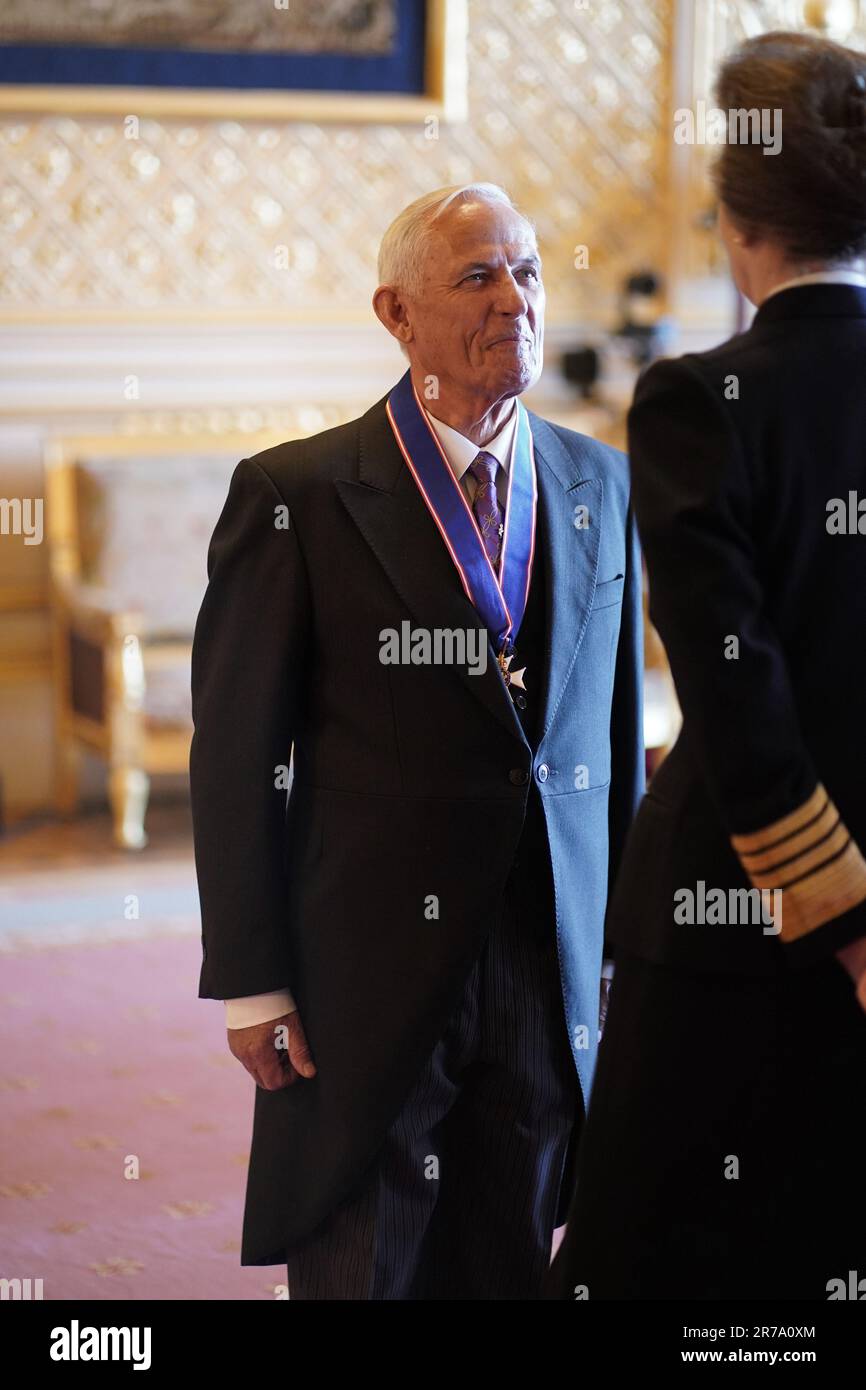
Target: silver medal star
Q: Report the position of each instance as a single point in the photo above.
(514, 678)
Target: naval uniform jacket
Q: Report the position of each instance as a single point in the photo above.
(749, 485)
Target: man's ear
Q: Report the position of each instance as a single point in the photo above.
(390, 310)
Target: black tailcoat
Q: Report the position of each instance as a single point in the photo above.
(409, 781)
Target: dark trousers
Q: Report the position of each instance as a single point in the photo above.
(725, 1151)
(462, 1200)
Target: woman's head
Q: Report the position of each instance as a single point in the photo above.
(807, 203)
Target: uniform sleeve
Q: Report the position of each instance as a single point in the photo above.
(247, 662)
(694, 503)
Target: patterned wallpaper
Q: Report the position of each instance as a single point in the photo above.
(569, 109)
(719, 26)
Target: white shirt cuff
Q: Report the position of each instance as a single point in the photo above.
(258, 1008)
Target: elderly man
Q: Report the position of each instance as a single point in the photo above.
(436, 610)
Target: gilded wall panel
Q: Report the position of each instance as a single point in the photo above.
(569, 108)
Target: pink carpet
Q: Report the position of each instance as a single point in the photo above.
(107, 1053)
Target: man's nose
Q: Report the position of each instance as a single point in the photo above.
(510, 297)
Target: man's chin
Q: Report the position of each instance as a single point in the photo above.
(517, 378)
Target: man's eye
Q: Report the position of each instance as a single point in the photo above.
(476, 275)
(529, 270)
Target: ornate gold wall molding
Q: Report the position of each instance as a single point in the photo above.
(706, 30)
(568, 108)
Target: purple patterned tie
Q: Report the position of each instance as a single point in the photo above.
(488, 512)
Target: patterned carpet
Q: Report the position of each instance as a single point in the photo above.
(111, 1064)
(110, 1061)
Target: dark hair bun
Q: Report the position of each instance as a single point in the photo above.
(811, 195)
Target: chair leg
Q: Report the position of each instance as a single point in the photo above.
(66, 772)
(128, 789)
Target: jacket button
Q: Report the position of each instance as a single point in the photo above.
(543, 772)
(518, 777)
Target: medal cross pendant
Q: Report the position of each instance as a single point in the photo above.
(510, 677)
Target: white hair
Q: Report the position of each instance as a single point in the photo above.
(402, 249)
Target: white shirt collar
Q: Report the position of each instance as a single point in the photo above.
(820, 277)
(461, 452)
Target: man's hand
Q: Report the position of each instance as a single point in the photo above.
(853, 958)
(275, 1053)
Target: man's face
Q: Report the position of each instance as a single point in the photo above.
(478, 321)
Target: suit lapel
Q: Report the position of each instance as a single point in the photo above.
(571, 554)
(391, 515)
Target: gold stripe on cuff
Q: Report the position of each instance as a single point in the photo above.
(804, 863)
(789, 847)
(824, 895)
(809, 855)
(788, 825)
